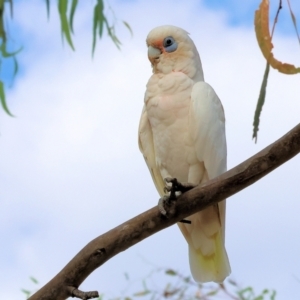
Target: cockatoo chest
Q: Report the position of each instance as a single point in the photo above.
(168, 104)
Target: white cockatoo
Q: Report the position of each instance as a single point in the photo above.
(182, 136)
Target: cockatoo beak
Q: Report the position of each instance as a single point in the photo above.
(153, 52)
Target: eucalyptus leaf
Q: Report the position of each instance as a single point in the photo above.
(5, 53)
(260, 102)
(3, 100)
(48, 8)
(72, 13)
(128, 27)
(65, 28)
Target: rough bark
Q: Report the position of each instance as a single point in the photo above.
(104, 247)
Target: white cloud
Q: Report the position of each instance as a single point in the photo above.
(70, 165)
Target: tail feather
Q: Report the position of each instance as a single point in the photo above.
(205, 236)
(214, 267)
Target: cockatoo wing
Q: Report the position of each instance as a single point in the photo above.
(147, 148)
(207, 124)
(208, 258)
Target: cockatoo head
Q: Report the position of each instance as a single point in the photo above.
(170, 49)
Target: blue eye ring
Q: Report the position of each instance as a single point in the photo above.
(170, 44)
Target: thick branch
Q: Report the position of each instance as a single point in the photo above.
(104, 247)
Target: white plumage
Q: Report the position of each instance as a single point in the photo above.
(182, 135)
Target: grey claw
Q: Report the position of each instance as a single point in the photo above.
(166, 203)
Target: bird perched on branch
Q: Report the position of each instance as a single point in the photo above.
(182, 136)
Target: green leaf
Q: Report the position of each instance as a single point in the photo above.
(6, 54)
(145, 285)
(101, 19)
(171, 272)
(213, 292)
(34, 280)
(128, 27)
(72, 12)
(246, 291)
(112, 35)
(98, 20)
(48, 8)
(273, 295)
(65, 28)
(100, 297)
(143, 293)
(100, 16)
(95, 20)
(232, 282)
(2, 28)
(26, 292)
(16, 66)
(11, 5)
(3, 101)
(260, 102)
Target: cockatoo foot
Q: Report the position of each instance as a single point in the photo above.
(177, 186)
(166, 204)
(173, 188)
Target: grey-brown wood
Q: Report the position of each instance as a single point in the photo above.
(104, 247)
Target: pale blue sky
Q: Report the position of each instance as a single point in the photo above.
(241, 13)
(238, 13)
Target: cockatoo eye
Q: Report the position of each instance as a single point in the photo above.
(169, 44)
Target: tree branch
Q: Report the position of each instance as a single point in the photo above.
(104, 247)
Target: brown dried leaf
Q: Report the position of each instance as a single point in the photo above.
(263, 37)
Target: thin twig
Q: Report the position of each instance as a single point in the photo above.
(74, 292)
(276, 17)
